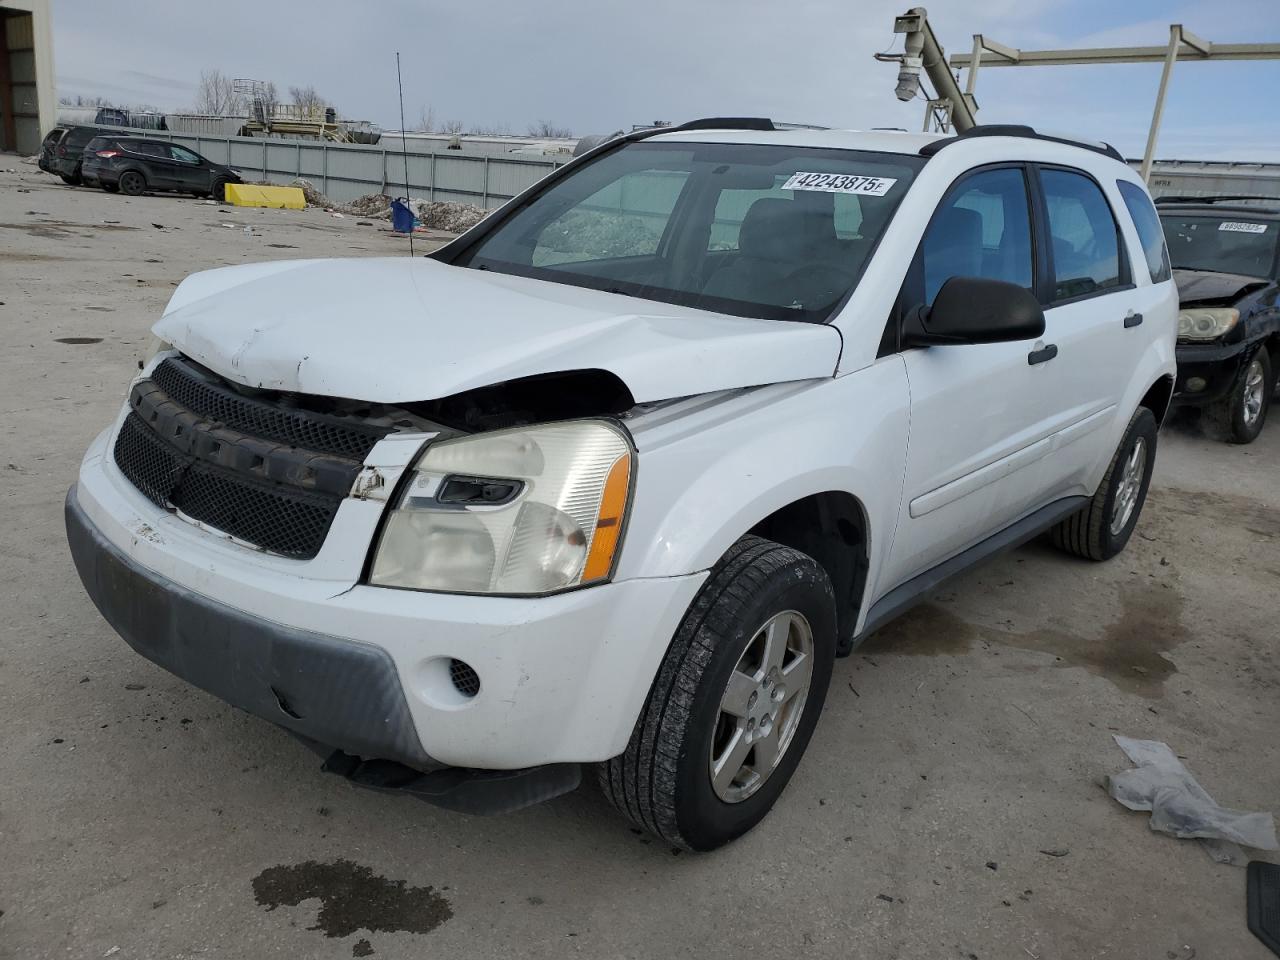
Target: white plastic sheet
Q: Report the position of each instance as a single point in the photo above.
(1181, 807)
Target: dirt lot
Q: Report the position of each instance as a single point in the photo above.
(140, 814)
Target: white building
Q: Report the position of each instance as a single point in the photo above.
(28, 98)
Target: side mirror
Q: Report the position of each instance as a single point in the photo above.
(975, 310)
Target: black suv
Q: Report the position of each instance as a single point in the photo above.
(62, 149)
(1226, 261)
(134, 165)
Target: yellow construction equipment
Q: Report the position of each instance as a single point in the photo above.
(252, 195)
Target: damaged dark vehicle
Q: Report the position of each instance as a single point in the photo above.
(1224, 253)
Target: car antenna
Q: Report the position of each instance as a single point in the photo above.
(404, 150)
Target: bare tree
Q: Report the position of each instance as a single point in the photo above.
(453, 127)
(493, 130)
(216, 95)
(545, 128)
(270, 98)
(426, 120)
(308, 101)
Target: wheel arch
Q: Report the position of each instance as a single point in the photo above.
(833, 527)
(1158, 398)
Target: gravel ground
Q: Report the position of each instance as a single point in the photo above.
(138, 813)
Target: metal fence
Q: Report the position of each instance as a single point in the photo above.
(343, 172)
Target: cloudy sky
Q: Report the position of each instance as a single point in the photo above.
(597, 65)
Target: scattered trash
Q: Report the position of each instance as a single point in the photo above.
(1182, 808)
(283, 246)
(1056, 852)
(209, 203)
(992, 865)
(78, 341)
(248, 231)
(112, 952)
(135, 686)
(230, 225)
(364, 223)
(885, 897)
(336, 215)
(110, 221)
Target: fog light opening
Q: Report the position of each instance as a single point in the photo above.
(1196, 384)
(464, 677)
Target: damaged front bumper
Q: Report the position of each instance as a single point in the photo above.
(1206, 371)
(342, 698)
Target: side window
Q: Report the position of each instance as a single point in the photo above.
(149, 148)
(183, 155)
(1147, 221)
(982, 229)
(625, 218)
(1083, 235)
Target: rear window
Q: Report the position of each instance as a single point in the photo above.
(1149, 232)
(1226, 243)
(769, 231)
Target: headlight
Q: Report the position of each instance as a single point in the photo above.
(1206, 323)
(526, 511)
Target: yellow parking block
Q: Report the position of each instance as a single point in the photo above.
(251, 195)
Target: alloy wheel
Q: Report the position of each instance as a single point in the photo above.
(761, 707)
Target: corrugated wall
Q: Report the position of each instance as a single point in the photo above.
(343, 172)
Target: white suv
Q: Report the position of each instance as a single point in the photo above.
(614, 477)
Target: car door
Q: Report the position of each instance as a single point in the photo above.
(978, 411)
(191, 171)
(153, 158)
(1092, 320)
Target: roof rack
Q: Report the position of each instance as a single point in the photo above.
(1018, 130)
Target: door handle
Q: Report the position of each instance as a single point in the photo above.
(1042, 354)
(1132, 320)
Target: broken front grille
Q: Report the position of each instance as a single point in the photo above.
(268, 475)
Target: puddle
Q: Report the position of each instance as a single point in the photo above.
(1128, 652)
(78, 340)
(928, 630)
(352, 898)
(1221, 508)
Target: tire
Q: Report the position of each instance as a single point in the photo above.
(664, 781)
(1240, 416)
(218, 191)
(1102, 528)
(110, 187)
(132, 183)
(70, 179)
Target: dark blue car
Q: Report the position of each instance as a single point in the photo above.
(1226, 261)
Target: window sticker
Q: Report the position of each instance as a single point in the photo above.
(1233, 227)
(840, 183)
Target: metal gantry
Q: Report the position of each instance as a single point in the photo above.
(1183, 45)
(953, 107)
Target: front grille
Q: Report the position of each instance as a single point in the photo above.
(185, 384)
(237, 464)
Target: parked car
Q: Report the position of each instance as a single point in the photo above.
(134, 165)
(1226, 262)
(62, 148)
(611, 479)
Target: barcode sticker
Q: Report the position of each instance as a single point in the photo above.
(840, 183)
(1234, 227)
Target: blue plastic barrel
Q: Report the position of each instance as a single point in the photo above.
(401, 216)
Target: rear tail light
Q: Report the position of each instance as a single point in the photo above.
(107, 154)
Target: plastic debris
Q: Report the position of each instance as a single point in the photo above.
(1182, 808)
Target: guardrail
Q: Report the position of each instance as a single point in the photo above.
(343, 172)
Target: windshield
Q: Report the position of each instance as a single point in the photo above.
(776, 232)
(1223, 244)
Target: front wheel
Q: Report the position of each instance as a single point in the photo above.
(70, 179)
(219, 191)
(1101, 529)
(1240, 415)
(132, 183)
(735, 700)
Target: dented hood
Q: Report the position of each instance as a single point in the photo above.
(405, 330)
